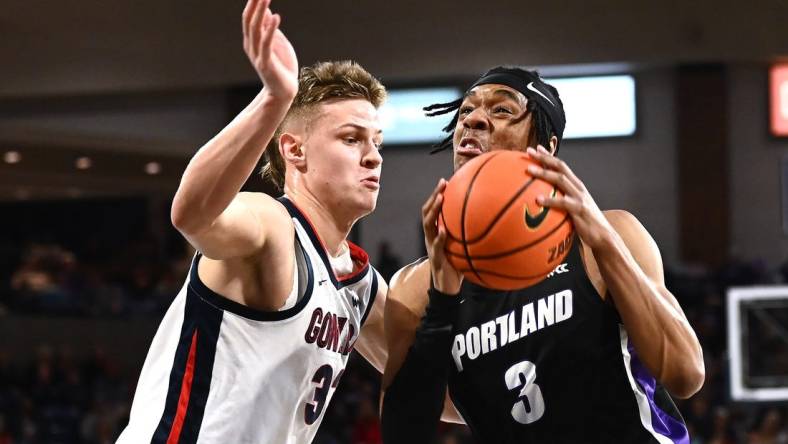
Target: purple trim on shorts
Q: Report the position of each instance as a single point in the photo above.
(663, 423)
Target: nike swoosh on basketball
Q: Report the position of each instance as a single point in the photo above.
(534, 221)
(532, 88)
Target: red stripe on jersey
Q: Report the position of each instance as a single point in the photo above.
(360, 261)
(359, 257)
(186, 390)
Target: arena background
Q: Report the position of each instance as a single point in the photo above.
(103, 104)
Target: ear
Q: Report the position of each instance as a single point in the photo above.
(553, 145)
(290, 147)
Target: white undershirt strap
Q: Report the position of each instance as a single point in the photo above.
(342, 264)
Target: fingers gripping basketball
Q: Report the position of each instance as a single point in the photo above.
(497, 235)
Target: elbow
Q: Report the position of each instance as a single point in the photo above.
(178, 216)
(183, 219)
(686, 381)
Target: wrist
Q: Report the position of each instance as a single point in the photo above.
(446, 285)
(434, 333)
(269, 98)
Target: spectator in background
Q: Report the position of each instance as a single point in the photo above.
(723, 430)
(769, 429)
(41, 280)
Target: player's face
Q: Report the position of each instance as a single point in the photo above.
(342, 155)
(491, 117)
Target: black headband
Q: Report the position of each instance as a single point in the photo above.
(532, 87)
(526, 82)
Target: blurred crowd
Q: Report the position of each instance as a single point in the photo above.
(57, 396)
(48, 279)
(710, 414)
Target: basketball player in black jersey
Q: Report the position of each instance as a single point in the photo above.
(589, 355)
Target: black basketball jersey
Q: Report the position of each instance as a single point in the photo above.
(552, 363)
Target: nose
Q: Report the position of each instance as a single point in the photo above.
(476, 120)
(372, 158)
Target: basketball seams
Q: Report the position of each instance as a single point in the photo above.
(474, 194)
(465, 207)
(507, 276)
(506, 207)
(564, 221)
(449, 234)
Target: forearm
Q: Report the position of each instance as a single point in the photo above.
(372, 346)
(217, 172)
(414, 401)
(658, 329)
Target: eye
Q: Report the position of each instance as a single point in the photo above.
(350, 140)
(502, 109)
(465, 110)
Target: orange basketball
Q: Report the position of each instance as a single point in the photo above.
(497, 235)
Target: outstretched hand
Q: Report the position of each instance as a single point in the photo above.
(591, 225)
(268, 49)
(444, 277)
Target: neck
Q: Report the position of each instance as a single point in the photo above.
(331, 224)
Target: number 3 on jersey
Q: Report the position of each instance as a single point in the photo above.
(322, 378)
(529, 406)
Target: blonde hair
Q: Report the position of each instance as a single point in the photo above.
(319, 83)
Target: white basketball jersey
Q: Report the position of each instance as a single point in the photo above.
(220, 372)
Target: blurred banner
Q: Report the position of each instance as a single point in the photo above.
(778, 94)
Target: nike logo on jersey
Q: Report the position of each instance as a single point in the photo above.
(322, 281)
(505, 329)
(326, 331)
(563, 268)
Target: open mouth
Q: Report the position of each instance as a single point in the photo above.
(469, 146)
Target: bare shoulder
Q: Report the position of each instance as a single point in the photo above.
(245, 229)
(632, 232)
(276, 229)
(638, 240)
(624, 222)
(265, 207)
(408, 287)
(255, 269)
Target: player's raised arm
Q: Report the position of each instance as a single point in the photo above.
(631, 267)
(207, 208)
(655, 322)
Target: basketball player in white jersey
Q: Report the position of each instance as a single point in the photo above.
(253, 347)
